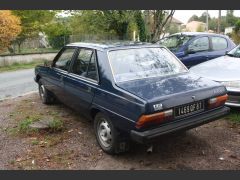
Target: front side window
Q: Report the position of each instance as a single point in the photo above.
(200, 44)
(64, 60)
(130, 64)
(174, 42)
(85, 64)
(219, 43)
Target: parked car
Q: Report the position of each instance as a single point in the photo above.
(226, 70)
(193, 48)
(131, 91)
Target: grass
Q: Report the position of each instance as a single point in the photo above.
(24, 125)
(35, 142)
(18, 66)
(56, 125)
(234, 116)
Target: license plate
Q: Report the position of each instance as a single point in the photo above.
(189, 109)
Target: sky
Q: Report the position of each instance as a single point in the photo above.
(184, 15)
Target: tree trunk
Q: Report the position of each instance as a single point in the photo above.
(19, 46)
(159, 21)
(219, 22)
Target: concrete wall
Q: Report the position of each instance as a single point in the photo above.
(10, 59)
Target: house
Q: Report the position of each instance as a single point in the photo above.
(173, 27)
(177, 23)
(196, 26)
(228, 30)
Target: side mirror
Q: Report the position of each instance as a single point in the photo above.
(226, 52)
(47, 63)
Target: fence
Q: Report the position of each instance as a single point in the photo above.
(41, 48)
(43, 44)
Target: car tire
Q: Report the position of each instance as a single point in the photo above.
(46, 96)
(108, 137)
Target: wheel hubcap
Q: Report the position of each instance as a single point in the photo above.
(42, 91)
(104, 133)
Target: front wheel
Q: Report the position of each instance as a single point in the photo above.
(107, 136)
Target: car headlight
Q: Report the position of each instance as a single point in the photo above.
(232, 84)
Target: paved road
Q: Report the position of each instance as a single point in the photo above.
(17, 83)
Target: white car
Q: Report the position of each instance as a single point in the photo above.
(226, 70)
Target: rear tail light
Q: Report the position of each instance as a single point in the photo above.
(154, 118)
(217, 101)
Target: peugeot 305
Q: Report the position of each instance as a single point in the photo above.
(132, 92)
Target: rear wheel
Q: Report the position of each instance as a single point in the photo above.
(46, 96)
(107, 136)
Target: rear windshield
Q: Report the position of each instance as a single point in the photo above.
(131, 64)
(174, 42)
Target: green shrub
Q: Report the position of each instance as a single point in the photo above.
(56, 125)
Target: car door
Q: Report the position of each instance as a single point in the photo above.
(82, 80)
(197, 51)
(219, 46)
(59, 71)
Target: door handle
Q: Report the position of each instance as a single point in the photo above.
(61, 80)
(89, 89)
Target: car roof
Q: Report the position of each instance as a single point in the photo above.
(112, 45)
(197, 34)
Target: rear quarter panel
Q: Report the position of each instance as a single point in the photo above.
(123, 108)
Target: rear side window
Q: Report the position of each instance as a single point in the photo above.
(200, 44)
(219, 43)
(85, 64)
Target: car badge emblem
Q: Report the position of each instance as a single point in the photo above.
(193, 97)
(157, 107)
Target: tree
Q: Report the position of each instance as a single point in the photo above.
(193, 18)
(230, 18)
(156, 21)
(235, 35)
(203, 17)
(212, 24)
(87, 22)
(32, 22)
(237, 27)
(97, 22)
(119, 20)
(173, 28)
(141, 26)
(9, 28)
(58, 34)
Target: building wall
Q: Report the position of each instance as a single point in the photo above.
(194, 26)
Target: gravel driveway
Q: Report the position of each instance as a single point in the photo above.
(212, 146)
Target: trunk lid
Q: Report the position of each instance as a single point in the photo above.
(174, 90)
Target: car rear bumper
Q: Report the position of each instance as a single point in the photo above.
(183, 124)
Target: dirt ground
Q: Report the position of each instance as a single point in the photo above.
(212, 146)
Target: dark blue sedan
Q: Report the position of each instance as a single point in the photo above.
(193, 48)
(131, 91)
